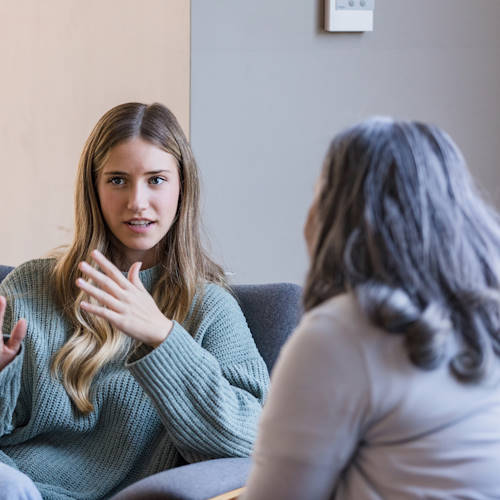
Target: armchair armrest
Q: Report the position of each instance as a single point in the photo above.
(230, 495)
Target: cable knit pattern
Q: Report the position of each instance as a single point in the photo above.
(196, 396)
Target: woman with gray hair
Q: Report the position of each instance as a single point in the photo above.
(390, 387)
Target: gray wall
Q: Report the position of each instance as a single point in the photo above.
(269, 89)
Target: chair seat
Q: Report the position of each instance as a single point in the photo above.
(197, 481)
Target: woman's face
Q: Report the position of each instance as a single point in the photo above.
(138, 189)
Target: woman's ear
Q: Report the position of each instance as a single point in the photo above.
(310, 226)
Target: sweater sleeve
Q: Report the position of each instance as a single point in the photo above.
(313, 420)
(10, 377)
(208, 387)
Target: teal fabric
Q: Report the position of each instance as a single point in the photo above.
(196, 396)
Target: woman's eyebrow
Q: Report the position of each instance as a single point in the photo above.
(164, 171)
(151, 172)
(115, 172)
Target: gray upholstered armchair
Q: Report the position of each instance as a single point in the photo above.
(272, 312)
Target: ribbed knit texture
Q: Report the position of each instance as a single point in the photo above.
(196, 396)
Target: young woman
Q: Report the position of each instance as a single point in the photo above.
(390, 387)
(127, 355)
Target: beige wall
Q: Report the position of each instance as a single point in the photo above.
(63, 64)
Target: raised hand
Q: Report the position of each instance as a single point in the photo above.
(9, 350)
(124, 302)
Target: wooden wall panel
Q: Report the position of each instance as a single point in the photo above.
(63, 64)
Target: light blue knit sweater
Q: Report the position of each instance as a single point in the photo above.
(196, 396)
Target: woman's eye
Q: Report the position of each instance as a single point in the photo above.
(156, 180)
(117, 181)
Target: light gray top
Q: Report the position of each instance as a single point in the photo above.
(349, 417)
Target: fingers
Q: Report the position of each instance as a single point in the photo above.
(18, 332)
(101, 279)
(133, 274)
(17, 335)
(3, 306)
(100, 295)
(120, 299)
(109, 314)
(110, 269)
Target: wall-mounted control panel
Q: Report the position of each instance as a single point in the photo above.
(349, 15)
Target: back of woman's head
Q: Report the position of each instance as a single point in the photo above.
(399, 222)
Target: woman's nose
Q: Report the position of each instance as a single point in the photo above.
(137, 200)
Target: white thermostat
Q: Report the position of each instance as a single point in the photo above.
(349, 15)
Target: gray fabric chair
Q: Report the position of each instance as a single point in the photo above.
(272, 312)
(4, 270)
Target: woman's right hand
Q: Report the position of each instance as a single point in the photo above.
(9, 350)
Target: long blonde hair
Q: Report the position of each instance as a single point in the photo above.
(185, 265)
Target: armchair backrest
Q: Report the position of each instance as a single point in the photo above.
(4, 270)
(272, 312)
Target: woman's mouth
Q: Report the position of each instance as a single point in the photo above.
(140, 225)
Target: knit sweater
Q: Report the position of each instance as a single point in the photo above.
(197, 396)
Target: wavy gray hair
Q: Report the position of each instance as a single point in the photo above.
(400, 223)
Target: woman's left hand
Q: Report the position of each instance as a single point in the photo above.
(124, 302)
